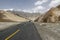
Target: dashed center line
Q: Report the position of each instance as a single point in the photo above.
(12, 35)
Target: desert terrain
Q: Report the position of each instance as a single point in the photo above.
(37, 27)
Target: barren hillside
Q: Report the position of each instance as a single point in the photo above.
(30, 16)
(9, 17)
(53, 15)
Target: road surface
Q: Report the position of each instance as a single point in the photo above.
(22, 31)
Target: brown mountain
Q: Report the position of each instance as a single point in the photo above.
(27, 15)
(9, 17)
(53, 15)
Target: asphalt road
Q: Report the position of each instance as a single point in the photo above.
(22, 31)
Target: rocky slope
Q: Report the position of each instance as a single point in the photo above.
(53, 15)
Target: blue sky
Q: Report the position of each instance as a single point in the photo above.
(22, 4)
(29, 5)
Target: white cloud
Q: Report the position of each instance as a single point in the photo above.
(38, 5)
(38, 9)
(54, 3)
(40, 2)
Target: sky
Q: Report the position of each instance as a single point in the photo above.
(29, 5)
(17, 4)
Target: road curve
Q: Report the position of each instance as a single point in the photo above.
(22, 31)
